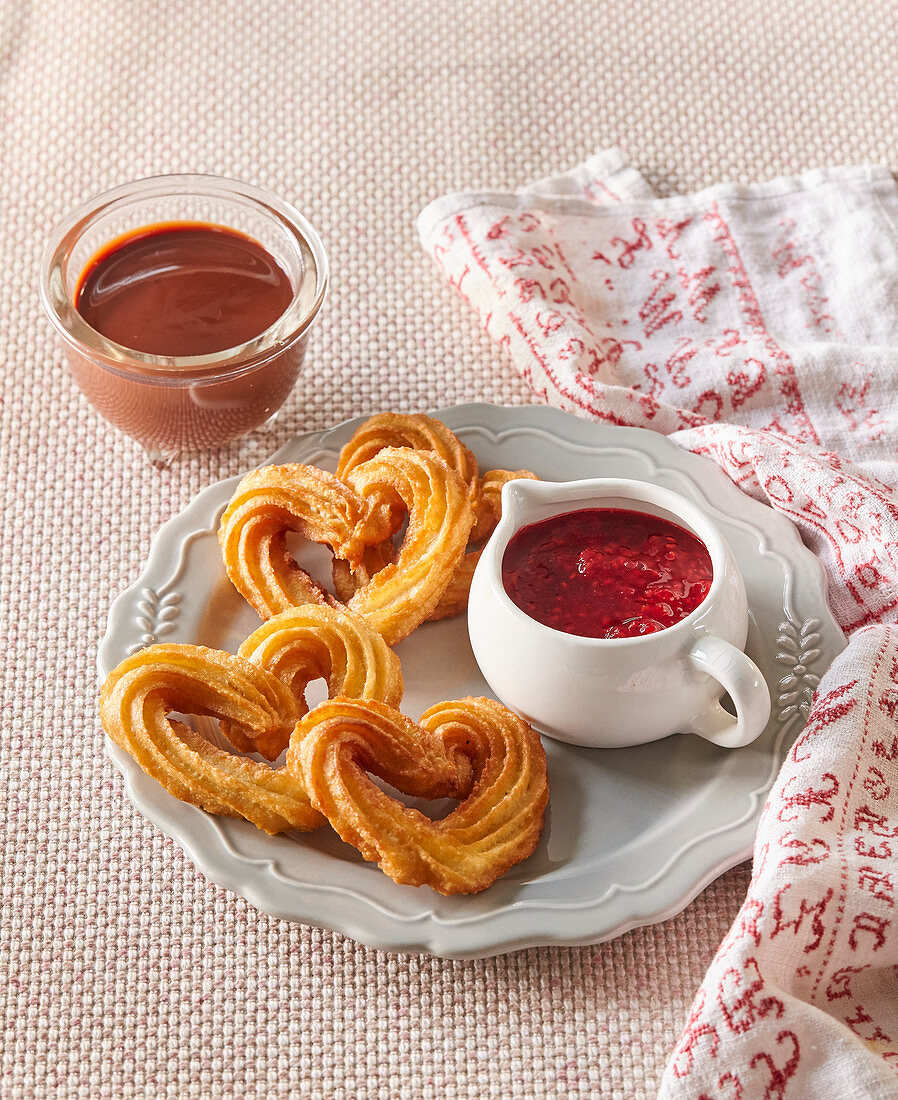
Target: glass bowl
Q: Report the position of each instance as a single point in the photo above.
(168, 403)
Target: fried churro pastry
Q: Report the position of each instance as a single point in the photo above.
(472, 749)
(414, 430)
(135, 704)
(272, 501)
(314, 642)
(454, 600)
(491, 486)
(423, 433)
(399, 596)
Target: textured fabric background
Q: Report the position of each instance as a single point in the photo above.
(123, 972)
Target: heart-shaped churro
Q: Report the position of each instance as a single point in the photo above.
(317, 641)
(257, 697)
(403, 593)
(472, 749)
(271, 502)
(140, 694)
(416, 431)
(353, 519)
(424, 433)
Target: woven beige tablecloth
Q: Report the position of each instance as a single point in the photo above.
(123, 972)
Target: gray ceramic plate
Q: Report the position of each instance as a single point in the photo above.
(631, 836)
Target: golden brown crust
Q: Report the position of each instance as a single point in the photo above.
(394, 590)
(144, 689)
(315, 642)
(424, 433)
(454, 600)
(257, 697)
(472, 749)
(414, 430)
(406, 590)
(274, 500)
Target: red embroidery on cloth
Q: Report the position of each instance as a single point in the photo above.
(713, 398)
(592, 187)
(870, 850)
(876, 785)
(811, 796)
(778, 489)
(850, 532)
(873, 822)
(608, 352)
(559, 252)
(852, 402)
(652, 311)
(832, 707)
(456, 283)
(871, 923)
(728, 1078)
(519, 326)
(867, 573)
(724, 347)
(544, 256)
(519, 258)
(884, 751)
(751, 311)
(699, 293)
(527, 288)
(695, 1030)
(878, 883)
(562, 295)
(743, 384)
(786, 255)
(861, 1016)
(785, 249)
(840, 985)
(806, 907)
(817, 301)
(746, 928)
(630, 248)
(549, 321)
(739, 1001)
(676, 365)
(476, 253)
(842, 902)
(779, 1075)
(667, 228)
(804, 853)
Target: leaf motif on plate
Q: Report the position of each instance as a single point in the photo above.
(156, 615)
(798, 647)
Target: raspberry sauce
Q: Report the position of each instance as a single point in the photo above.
(606, 572)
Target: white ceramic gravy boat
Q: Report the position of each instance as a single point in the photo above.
(623, 691)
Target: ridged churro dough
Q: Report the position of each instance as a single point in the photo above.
(472, 749)
(404, 592)
(275, 500)
(424, 433)
(315, 642)
(257, 696)
(414, 430)
(140, 694)
(454, 600)
(394, 590)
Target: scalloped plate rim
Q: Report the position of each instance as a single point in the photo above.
(501, 930)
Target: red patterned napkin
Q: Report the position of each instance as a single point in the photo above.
(757, 325)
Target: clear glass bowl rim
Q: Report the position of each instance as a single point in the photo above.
(229, 363)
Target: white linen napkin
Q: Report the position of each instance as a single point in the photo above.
(757, 325)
